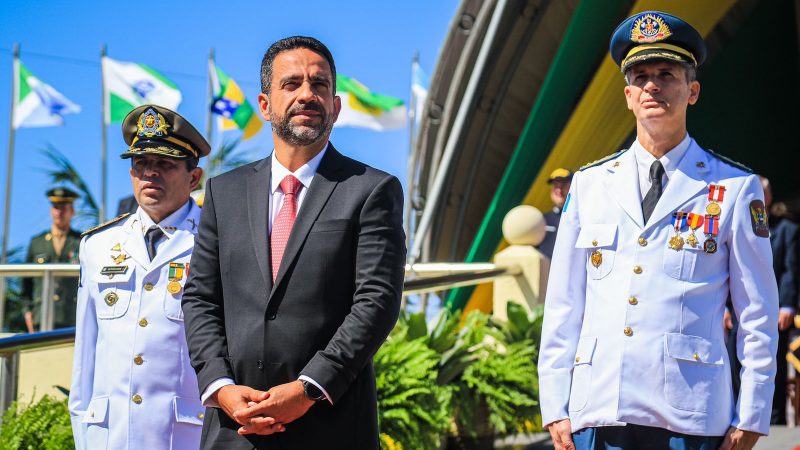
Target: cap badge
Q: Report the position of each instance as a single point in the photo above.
(152, 124)
(649, 27)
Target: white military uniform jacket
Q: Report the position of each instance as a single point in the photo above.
(132, 384)
(638, 338)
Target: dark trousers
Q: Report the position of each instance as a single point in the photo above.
(639, 437)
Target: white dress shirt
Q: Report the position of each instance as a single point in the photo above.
(670, 161)
(305, 174)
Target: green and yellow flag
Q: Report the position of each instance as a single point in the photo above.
(229, 103)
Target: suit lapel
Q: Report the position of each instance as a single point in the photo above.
(318, 193)
(258, 194)
(623, 182)
(686, 181)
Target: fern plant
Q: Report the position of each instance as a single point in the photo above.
(42, 425)
(413, 412)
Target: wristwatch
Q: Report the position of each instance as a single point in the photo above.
(312, 392)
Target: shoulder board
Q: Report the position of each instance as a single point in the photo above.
(604, 159)
(105, 224)
(728, 161)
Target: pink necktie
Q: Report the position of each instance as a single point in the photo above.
(282, 227)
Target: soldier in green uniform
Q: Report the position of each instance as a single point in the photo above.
(59, 244)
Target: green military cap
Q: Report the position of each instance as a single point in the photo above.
(155, 130)
(61, 195)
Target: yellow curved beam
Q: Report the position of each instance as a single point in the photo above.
(601, 122)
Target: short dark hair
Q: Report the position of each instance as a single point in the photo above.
(291, 43)
(191, 163)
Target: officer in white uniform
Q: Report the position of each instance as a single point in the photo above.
(652, 241)
(132, 384)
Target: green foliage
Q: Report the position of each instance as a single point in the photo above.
(15, 304)
(43, 425)
(61, 173)
(413, 408)
(485, 372)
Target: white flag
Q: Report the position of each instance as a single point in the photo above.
(129, 85)
(37, 104)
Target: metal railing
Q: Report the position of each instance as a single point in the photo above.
(47, 272)
(420, 278)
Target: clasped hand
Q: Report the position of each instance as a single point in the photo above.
(260, 412)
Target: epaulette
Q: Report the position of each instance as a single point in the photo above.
(604, 159)
(105, 224)
(728, 161)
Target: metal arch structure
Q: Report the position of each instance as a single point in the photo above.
(549, 96)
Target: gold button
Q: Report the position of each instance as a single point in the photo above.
(696, 357)
(633, 301)
(111, 298)
(56, 297)
(637, 269)
(577, 359)
(143, 323)
(628, 331)
(642, 241)
(201, 416)
(148, 286)
(137, 399)
(594, 243)
(40, 260)
(138, 360)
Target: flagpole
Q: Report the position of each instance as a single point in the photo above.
(210, 95)
(103, 132)
(412, 113)
(10, 161)
(9, 172)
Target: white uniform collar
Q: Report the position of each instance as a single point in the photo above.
(670, 160)
(170, 223)
(304, 174)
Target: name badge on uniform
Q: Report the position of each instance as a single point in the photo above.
(113, 270)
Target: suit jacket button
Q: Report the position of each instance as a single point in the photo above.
(260, 364)
(271, 317)
(637, 269)
(642, 241)
(628, 331)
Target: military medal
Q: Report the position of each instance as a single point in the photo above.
(694, 221)
(715, 196)
(676, 242)
(711, 228)
(175, 275)
(596, 258)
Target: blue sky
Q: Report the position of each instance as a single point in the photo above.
(371, 41)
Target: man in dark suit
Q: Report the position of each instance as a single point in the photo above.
(296, 276)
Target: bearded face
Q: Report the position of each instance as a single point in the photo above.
(301, 133)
